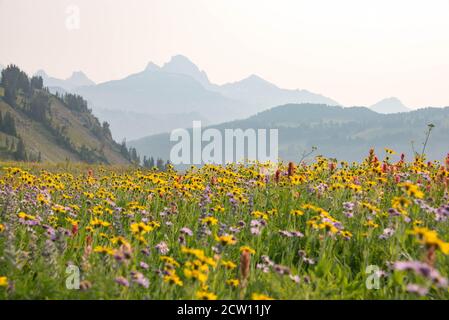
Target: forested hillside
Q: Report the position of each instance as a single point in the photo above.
(36, 125)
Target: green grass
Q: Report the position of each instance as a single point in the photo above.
(35, 266)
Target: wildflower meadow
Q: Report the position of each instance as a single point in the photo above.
(377, 229)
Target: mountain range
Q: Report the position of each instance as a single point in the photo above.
(161, 98)
(337, 132)
(389, 105)
(176, 90)
(36, 125)
(77, 79)
(59, 126)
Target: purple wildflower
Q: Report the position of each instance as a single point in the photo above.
(387, 233)
(348, 209)
(234, 230)
(263, 267)
(308, 261)
(414, 288)
(295, 278)
(144, 265)
(285, 233)
(282, 270)
(393, 212)
(186, 231)
(162, 247)
(422, 269)
(140, 279)
(122, 281)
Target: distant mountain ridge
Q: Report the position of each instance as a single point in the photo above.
(76, 79)
(262, 94)
(342, 133)
(159, 92)
(180, 87)
(389, 105)
(182, 65)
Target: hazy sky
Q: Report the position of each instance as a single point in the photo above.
(356, 52)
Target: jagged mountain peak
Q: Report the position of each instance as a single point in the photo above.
(179, 59)
(182, 65)
(151, 66)
(255, 80)
(389, 105)
(79, 78)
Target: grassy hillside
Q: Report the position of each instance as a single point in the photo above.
(52, 128)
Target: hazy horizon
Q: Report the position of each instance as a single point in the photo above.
(356, 53)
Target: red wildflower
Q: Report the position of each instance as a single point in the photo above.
(291, 169)
(277, 175)
(74, 229)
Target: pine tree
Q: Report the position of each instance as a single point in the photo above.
(134, 157)
(39, 106)
(9, 125)
(124, 150)
(13, 80)
(160, 164)
(20, 153)
(106, 130)
(37, 83)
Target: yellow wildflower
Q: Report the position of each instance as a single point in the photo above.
(3, 281)
(233, 282)
(296, 213)
(228, 264)
(173, 279)
(258, 296)
(210, 221)
(226, 239)
(104, 250)
(247, 249)
(204, 295)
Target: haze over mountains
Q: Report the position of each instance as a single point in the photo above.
(389, 105)
(156, 91)
(158, 100)
(342, 133)
(77, 79)
(161, 98)
(172, 95)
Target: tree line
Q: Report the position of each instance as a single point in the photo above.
(150, 163)
(7, 124)
(28, 95)
(15, 81)
(147, 162)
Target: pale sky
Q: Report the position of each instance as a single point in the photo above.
(354, 51)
